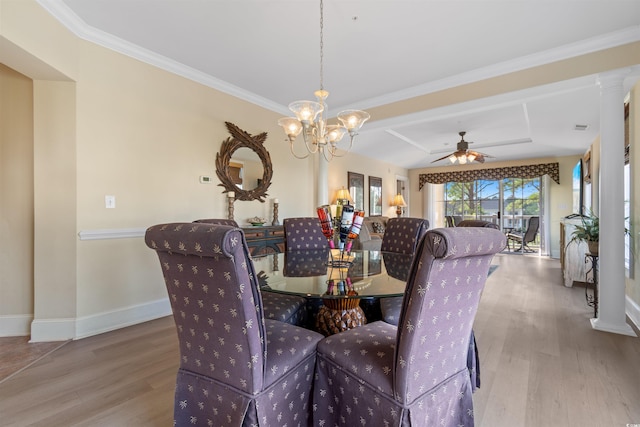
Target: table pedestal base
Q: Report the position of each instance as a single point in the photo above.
(330, 321)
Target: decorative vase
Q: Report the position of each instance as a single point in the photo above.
(593, 247)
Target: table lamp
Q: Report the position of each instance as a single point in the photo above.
(399, 203)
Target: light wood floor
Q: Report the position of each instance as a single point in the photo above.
(542, 365)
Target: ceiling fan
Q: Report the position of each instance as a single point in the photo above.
(463, 154)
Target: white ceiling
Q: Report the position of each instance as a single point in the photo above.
(377, 52)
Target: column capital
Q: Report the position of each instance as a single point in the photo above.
(613, 79)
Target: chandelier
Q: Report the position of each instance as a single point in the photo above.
(318, 135)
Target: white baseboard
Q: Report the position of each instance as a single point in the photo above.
(17, 325)
(109, 321)
(633, 311)
(45, 330)
(83, 327)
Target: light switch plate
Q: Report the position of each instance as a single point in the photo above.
(110, 202)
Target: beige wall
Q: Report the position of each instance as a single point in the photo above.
(339, 167)
(16, 196)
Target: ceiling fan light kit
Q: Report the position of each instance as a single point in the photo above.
(462, 154)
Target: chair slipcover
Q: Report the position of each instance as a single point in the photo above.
(219, 221)
(236, 368)
(403, 234)
(285, 308)
(414, 374)
(478, 223)
(402, 237)
(303, 234)
(306, 263)
(397, 266)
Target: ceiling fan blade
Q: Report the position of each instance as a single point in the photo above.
(480, 157)
(442, 158)
(479, 154)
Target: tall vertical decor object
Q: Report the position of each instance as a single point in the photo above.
(231, 197)
(275, 213)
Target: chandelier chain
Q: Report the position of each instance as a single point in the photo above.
(318, 135)
(321, 44)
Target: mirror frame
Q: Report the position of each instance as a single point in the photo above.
(242, 139)
(375, 189)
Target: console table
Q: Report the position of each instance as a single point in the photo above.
(591, 262)
(571, 254)
(265, 240)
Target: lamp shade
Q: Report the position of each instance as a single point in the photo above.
(343, 194)
(398, 200)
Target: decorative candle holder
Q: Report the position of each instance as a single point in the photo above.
(275, 213)
(231, 200)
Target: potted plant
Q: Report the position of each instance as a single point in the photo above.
(588, 231)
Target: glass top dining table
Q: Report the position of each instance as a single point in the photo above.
(321, 274)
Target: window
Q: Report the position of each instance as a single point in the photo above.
(509, 202)
(627, 219)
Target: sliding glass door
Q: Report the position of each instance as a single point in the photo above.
(509, 203)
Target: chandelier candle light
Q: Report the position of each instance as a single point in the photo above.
(318, 135)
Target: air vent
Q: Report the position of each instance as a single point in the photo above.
(581, 127)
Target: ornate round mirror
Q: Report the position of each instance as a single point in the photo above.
(243, 165)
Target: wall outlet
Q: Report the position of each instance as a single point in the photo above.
(204, 179)
(110, 202)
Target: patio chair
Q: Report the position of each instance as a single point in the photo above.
(453, 220)
(524, 239)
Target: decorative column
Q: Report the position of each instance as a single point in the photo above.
(322, 184)
(611, 305)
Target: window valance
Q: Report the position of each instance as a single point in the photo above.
(494, 174)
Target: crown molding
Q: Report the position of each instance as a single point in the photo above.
(607, 41)
(69, 19)
(77, 26)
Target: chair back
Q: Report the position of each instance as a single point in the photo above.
(403, 234)
(478, 223)
(532, 230)
(219, 221)
(306, 263)
(453, 220)
(215, 301)
(397, 265)
(445, 283)
(303, 233)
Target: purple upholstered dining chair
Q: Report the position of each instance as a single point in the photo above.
(401, 237)
(303, 233)
(478, 223)
(403, 234)
(414, 374)
(306, 263)
(286, 308)
(219, 221)
(236, 367)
